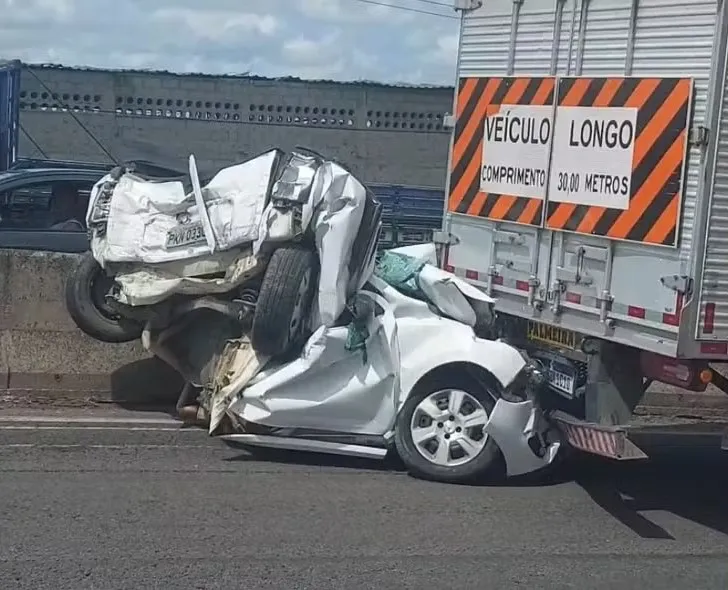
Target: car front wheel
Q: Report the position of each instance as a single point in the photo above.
(440, 432)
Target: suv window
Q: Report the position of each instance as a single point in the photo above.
(48, 206)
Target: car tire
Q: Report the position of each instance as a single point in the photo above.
(84, 302)
(420, 459)
(284, 300)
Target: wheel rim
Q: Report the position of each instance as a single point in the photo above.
(447, 427)
(100, 288)
(295, 328)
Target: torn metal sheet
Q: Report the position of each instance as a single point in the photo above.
(452, 296)
(207, 230)
(239, 364)
(150, 284)
(331, 201)
(151, 222)
(512, 425)
(329, 386)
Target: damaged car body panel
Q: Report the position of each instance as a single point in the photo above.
(265, 289)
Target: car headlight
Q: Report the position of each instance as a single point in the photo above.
(100, 202)
(102, 205)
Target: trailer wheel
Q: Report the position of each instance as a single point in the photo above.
(284, 300)
(439, 431)
(86, 289)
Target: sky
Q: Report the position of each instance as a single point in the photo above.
(311, 39)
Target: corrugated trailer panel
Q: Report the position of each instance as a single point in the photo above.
(520, 265)
(712, 315)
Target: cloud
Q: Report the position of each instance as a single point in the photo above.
(350, 11)
(212, 25)
(332, 39)
(30, 11)
(446, 48)
(306, 51)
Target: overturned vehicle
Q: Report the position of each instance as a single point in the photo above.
(266, 290)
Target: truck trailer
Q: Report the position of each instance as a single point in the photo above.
(587, 191)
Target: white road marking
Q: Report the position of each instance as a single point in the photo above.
(121, 428)
(85, 420)
(114, 447)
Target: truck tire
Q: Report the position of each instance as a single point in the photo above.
(284, 301)
(85, 290)
(419, 435)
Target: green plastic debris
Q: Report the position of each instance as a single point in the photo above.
(401, 272)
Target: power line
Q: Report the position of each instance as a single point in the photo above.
(35, 143)
(434, 3)
(408, 9)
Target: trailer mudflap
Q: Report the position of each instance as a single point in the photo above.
(598, 439)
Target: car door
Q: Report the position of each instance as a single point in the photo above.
(45, 211)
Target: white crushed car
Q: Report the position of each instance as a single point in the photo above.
(265, 290)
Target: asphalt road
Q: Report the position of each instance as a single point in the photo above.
(112, 506)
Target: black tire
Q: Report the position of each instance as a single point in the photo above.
(84, 301)
(486, 463)
(282, 308)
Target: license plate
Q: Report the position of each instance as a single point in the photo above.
(561, 381)
(553, 335)
(184, 235)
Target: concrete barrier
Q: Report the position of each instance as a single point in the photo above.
(43, 353)
(44, 357)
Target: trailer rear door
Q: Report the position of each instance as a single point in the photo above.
(589, 227)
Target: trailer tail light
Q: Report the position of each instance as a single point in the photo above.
(636, 312)
(673, 319)
(573, 297)
(446, 260)
(687, 374)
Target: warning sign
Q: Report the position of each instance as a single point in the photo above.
(592, 157)
(618, 155)
(607, 159)
(500, 155)
(516, 147)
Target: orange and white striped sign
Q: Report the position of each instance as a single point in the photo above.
(499, 163)
(618, 156)
(600, 156)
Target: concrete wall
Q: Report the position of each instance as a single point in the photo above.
(384, 133)
(44, 355)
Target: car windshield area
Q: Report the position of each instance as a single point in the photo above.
(51, 205)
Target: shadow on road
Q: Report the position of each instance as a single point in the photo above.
(692, 484)
(146, 385)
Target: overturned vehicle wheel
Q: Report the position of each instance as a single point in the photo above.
(440, 433)
(284, 300)
(86, 290)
